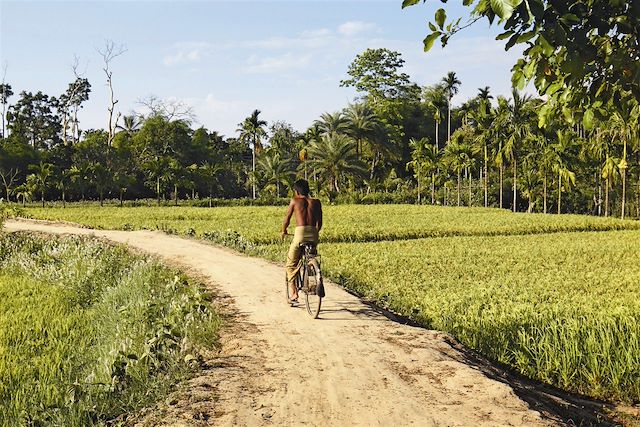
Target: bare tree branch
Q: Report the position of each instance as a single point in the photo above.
(171, 109)
(109, 53)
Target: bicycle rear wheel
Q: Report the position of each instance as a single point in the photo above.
(313, 288)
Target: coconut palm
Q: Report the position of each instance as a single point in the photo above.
(42, 173)
(424, 160)
(563, 159)
(251, 130)
(332, 123)
(275, 169)
(460, 157)
(361, 121)
(334, 157)
(131, 123)
(451, 86)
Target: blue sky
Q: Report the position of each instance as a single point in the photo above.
(226, 58)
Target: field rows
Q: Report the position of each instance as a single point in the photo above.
(261, 225)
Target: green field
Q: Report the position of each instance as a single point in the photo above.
(544, 294)
(345, 223)
(89, 331)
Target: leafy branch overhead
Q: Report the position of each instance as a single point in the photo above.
(581, 54)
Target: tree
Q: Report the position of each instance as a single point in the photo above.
(451, 84)
(376, 72)
(42, 173)
(424, 160)
(5, 93)
(275, 169)
(33, 120)
(9, 178)
(333, 157)
(251, 130)
(130, 123)
(436, 100)
(566, 177)
(582, 54)
(332, 123)
(361, 122)
(70, 103)
(109, 52)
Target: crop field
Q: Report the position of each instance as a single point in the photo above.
(89, 331)
(345, 223)
(555, 297)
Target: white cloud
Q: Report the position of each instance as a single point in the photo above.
(186, 52)
(353, 28)
(286, 62)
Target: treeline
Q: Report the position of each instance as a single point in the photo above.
(398, 142)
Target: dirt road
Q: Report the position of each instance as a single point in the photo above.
(279, 367)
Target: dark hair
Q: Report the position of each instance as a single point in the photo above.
(301, 186)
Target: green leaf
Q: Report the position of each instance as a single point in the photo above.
(587, 119)
(432, 27)
(504, 8)
(525, 37)
(441, 16)
(407, 3)
(430, 39)
(504, 35)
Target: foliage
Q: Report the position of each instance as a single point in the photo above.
(106, 335)
(582, 54)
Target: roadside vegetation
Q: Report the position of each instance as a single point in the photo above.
(89, 332)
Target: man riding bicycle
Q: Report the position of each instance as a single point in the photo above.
(308, 214)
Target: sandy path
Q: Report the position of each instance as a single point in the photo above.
(279, 367)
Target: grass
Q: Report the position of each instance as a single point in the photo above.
(89, 332)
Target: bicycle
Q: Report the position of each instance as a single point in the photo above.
(308, 280)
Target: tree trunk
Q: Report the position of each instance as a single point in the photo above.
(449, 122)
(544, 192)
(418, 178)
(559, 191)
(42, 196)
(501, 184)
(433, 188)
(64, 202)
(175, 194)
(486, 178)
(458, 188)
(515, 185)
(606, 197)
(121, 202)
(624, 192)
(470, 183)
(158, 188)
(253, 169)
(437, 143)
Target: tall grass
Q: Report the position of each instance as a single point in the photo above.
(89, 332)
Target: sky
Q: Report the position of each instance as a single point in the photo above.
(227, 58)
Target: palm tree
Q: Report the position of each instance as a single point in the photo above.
(624, 128)
(251, 130)
(24, 191)
(435, 98)
(208, 171)
(459, 156)
(562, 149)
(610, 174)
(42, 173)
(518, 126)
(451, 85)
(333, 157)
(361, 120)
(423, 161)
(332, 123)
(131, 123)
(275, 169)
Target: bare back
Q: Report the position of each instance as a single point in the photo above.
(307, 211)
